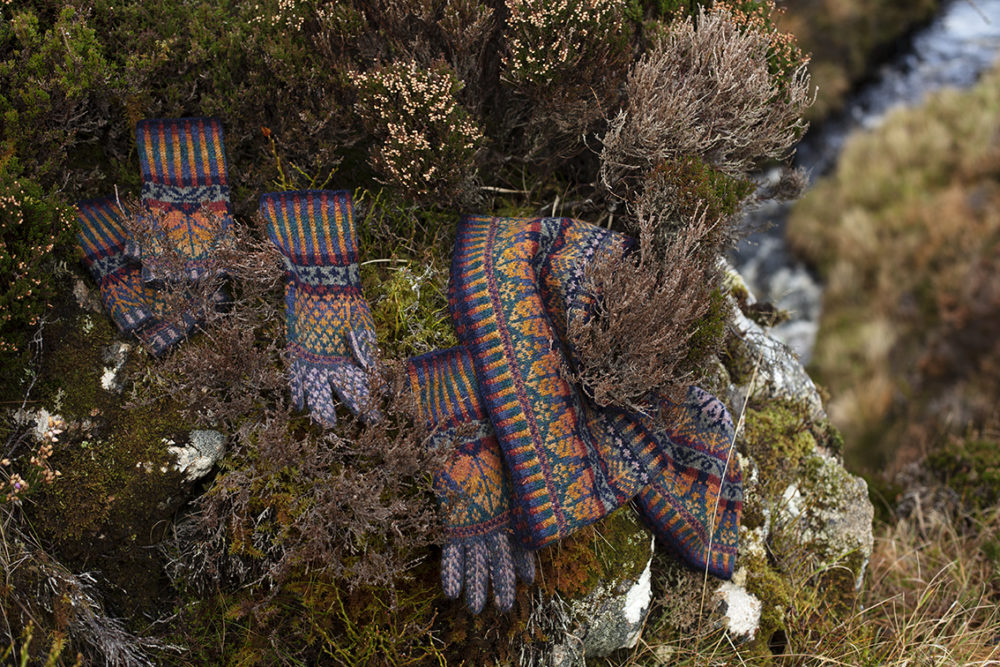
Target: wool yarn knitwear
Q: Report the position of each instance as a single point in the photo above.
(563, 477)
(472, 486)
(685, 449)
(514, 284)
(185, 193)
(330, 331)
(134, 306)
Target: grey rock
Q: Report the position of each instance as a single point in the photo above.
(199, 456)
(608, 618)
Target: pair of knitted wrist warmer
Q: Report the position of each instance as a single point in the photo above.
(534, 460)
(184, 214)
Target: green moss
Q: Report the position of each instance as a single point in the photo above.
(112, 501)
(613, 550)
(709, 330)
(778, 438)
(316, 620)
(971, 466)
(737, 360)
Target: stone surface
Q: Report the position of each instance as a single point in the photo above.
(780, 374)
(114, 357)
(608, 618)
(199, 456)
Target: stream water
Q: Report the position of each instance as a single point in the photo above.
(954, 50)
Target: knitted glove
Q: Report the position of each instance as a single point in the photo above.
(185, 193)
(472, 487)
(330, 331)
(134, 306)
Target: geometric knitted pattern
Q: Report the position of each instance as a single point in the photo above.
(678, 505)
(185, 194)
(518, 281)
(133, 305)
(330, 331)
(563, 477)
(685, 450)
(472, 487)
(102, 237)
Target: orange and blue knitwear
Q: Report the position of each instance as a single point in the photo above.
(515, 283)
(563, 477)
(472, 487)
(330, 331)
(133, 305)
(186, 195)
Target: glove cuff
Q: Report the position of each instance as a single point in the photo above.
(444, 382)
(182, 152)
(102, 235)
(312, 228)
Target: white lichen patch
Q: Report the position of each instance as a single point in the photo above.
(828, 510)
(638, 597)
(741, 610)
(47, 425)
(791, 503)
(197, 458)
(115, 355)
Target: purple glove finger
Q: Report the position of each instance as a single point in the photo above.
(524, 564)
(501, 570)
(476, 576)
(452, 569)
(351, 385)
(316, 382)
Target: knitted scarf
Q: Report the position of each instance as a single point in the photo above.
(514, 283)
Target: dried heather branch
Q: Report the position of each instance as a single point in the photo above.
(705, 90)
(638, 339)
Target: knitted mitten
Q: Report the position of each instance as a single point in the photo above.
(186, 195)
(472, 487)
(330, 331)
(134, 306)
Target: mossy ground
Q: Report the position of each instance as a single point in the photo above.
(113, 501)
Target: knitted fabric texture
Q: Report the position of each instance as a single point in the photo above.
(685, 450)
(472, 486)
(185, 193)
(694, 439)
(514, 284)
(330, 331)
(562, 476)
(133, 305)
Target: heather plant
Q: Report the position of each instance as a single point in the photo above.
(34, 230)
(426, 142)
(706, 90)
(784, 57)
(627, 349)
(681, 190)
(574, 31)
(53, 76)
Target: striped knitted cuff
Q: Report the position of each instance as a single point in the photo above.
(444, 382)
(312, 227)
(182, 152)
(102, 235)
